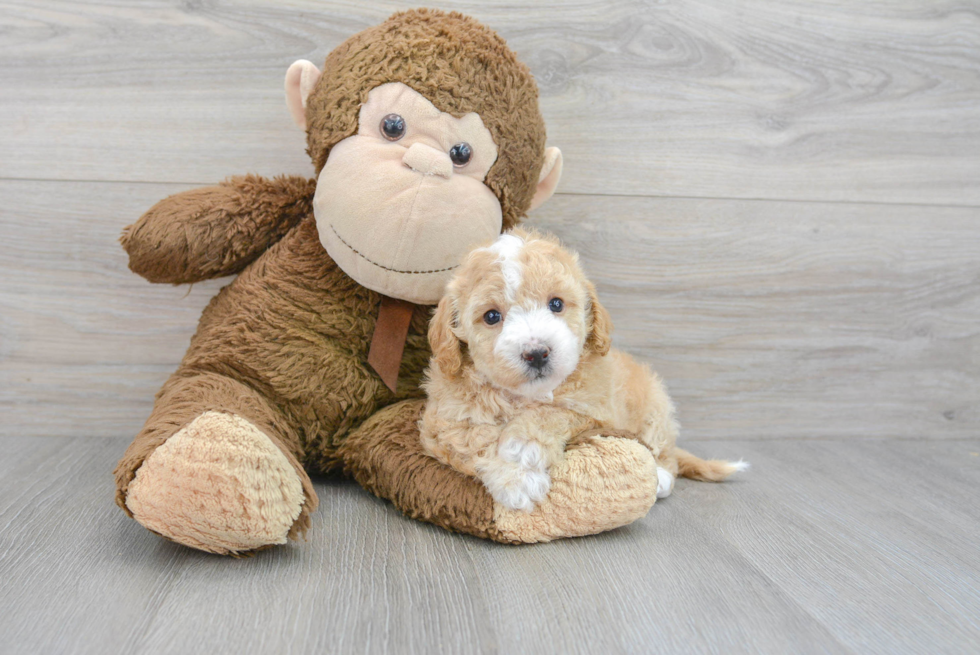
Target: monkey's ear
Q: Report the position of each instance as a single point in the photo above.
(550, 174)
(300, 79)
(446, 350)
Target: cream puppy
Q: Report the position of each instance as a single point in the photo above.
(522, 363)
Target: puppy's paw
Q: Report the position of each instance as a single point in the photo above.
(521, 490)
(519, 479)
(665, 482)
(523, 453)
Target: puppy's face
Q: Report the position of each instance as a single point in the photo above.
(525, 312)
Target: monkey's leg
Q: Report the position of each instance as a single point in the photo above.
(216, 467)
(601, 483)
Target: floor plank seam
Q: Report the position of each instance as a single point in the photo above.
(804, 201)
(816, 201)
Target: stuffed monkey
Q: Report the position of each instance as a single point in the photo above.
(426, 139)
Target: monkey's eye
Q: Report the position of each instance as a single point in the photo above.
(460, 154)
(492, 317)
(393, 127)
(556, 305)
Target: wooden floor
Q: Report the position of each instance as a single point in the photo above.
(779, 201)
(826, 546)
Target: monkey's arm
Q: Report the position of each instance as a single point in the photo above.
(214, 231)
(601, 483)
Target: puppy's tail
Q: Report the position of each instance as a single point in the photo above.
(713, 470)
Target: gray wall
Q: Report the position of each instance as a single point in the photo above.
(779, 201)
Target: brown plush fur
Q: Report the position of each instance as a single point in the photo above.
(392, 468)
(285, 345)
(215, 231)
(456, 63)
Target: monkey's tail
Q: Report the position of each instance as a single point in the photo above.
(706, 470)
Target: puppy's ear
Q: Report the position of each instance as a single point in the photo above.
(600, 332)
(445, 344)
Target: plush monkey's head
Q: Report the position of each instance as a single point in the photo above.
(427, 140)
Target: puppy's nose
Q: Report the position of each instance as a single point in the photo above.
(428, 161)
(536, 358)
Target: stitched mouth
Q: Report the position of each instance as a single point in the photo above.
(382, 266)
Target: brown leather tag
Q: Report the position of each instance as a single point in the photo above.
(388, 341)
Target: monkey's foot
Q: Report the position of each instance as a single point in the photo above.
(603, 483)
(220, 485)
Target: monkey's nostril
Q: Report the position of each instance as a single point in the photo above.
(536, 358)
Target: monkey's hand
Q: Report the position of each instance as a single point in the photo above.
(215, 231)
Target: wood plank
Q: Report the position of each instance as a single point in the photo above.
(78, 576)
(367, 581)
(664, 584)
(823, 546)
(872, 551)
(766, 319)
(873, 101)
(84, 343)
(864, 559)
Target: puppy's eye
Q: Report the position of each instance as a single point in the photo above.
(492, 317)
(460, 154)
(392, 127)
(556, 305)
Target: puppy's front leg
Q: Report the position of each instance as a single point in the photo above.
(519, 477)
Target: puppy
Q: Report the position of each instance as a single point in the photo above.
(522, 363)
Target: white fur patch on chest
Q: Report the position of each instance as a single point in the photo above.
(508, 249)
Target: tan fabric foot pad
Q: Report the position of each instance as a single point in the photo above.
(603, 483)
(219, 485)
